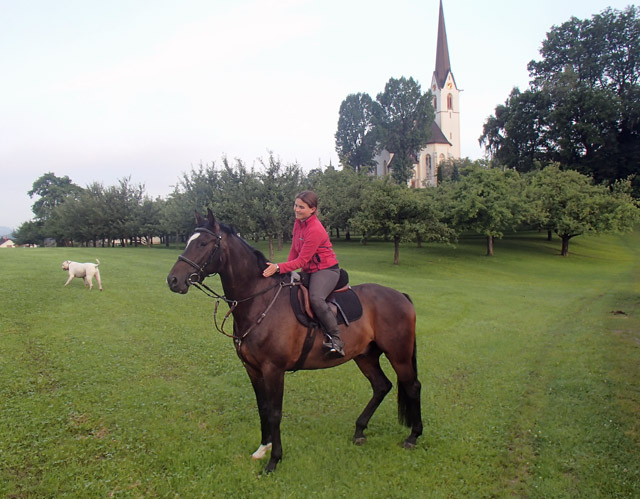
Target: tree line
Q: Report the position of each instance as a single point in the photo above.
(564, 156)
(470, 198)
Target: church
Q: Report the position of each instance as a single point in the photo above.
(444, 142)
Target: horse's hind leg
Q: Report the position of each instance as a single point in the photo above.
(409, 412)
(369, 364)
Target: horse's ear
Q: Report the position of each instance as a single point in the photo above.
(199, 219)
(212, 220)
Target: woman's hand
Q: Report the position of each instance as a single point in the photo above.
(271, 269)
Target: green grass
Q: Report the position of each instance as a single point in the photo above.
(529, 364)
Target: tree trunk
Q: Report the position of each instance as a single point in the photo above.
(396, 252)
(489, 245)
(565, 245)
(549, 235)
(270, 247)
(347, 236)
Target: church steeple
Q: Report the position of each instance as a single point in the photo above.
(443, 65)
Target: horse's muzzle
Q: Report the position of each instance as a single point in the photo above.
(178, 285)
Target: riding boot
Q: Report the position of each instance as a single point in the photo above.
(333, 341)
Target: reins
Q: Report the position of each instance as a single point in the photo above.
(234, 303)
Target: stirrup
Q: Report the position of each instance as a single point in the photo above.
(334, 347)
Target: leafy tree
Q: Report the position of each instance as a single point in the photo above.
(583, 105)
(52, 192)
(239, 190)
(570, 204)
(403, 119)
(488, 202)
(356, 138)
(400, 214)
(273, 205)
(340, 193)
(29, 232)
(516, 135)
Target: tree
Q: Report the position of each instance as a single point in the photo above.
(400, 214)
(340, 193)
(52, 192)
(583, 106)
(487, 201)
(570, 204)
(355, 137)
(273, 205)
(516, 135)
(403, 119)
(29, 232)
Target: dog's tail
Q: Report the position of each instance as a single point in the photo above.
(98, 262)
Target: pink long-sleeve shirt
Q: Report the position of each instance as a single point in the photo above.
(310, 249)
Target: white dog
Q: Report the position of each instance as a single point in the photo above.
(85, 270)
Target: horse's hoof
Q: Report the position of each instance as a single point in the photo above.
(270, 467)
(409, 445)
(360, 440)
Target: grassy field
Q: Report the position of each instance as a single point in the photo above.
(529, 362)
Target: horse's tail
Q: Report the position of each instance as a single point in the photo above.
(406, 403)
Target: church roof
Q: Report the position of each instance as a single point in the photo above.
(443, 65)
(437, 137)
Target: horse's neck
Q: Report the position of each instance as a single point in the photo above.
(241, 276)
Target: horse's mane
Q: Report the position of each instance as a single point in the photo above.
(261, 260)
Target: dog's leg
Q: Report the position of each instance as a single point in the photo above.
(69, 280)
(98, 279)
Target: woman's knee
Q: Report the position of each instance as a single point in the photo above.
(317, 301)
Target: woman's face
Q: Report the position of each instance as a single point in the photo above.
(302, 209)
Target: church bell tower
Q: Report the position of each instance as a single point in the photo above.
(445, 91)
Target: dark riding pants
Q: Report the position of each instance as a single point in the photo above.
(321, 284)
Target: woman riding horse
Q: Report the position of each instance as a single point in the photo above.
(311, 250)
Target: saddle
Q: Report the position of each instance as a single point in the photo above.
(343, 300)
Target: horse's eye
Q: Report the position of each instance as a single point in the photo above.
(203, 243)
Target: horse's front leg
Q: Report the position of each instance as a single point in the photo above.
(257, 381)
(274, 389)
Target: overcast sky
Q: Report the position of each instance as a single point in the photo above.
(102, 90)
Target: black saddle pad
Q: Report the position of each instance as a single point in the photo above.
(347, 303)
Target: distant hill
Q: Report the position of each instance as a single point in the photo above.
(5, 231)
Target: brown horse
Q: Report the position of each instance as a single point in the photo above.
(269, 339)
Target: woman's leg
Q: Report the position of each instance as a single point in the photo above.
(321, 284)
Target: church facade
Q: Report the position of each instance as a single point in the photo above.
(444, 143)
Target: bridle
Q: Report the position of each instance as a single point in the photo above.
(200, 274)
(196, 279)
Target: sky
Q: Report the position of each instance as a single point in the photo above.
(99, 91)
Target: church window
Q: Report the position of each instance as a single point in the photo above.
(449, 102)
(435, 103)
(427, 161)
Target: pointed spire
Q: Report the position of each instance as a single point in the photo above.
(443, 66)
